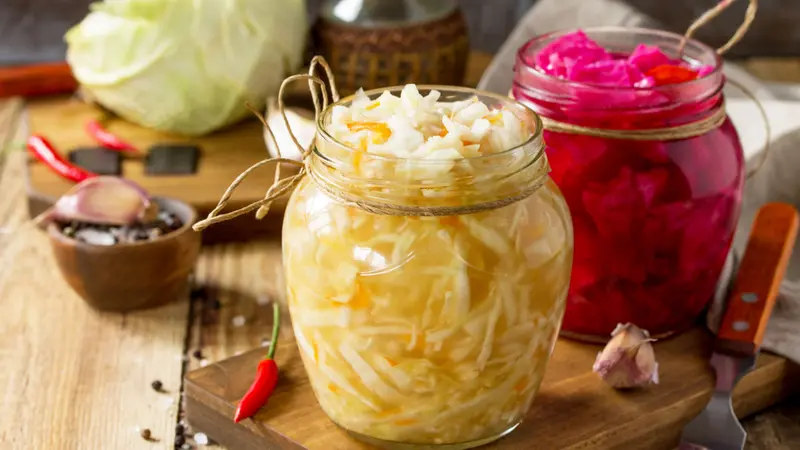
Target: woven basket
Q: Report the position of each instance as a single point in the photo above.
(434, 52)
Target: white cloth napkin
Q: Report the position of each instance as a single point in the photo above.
(777, 180)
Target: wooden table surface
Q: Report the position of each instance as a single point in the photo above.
(73, 378)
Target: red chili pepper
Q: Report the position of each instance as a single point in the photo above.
(671, 74)
(106, 138)
(266, 377)
(45, 152)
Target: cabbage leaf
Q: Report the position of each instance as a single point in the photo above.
(186, 66)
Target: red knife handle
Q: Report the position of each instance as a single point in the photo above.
(37, 79)
(758, 280)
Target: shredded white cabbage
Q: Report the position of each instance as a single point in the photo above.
(426, 329)
(421, 128)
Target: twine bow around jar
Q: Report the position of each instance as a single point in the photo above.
(691, 129)
(524, 167)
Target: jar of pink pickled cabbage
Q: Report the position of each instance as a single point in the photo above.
(653, 217)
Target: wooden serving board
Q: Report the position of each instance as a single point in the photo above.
(574, 409)
(224, 155)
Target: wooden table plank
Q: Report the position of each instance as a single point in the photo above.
(74, 378)
(785, 70)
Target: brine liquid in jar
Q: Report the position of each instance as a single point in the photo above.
(427, 262)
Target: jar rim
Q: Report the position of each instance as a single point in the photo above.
(535, 137)
(698, 46)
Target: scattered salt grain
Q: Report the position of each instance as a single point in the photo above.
(95, 237)
(201, 439)
(238, 321)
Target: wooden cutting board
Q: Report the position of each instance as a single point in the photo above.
(574, 410)
(224, 155)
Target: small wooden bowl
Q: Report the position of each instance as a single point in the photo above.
(131, 276)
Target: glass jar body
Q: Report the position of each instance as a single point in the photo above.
(653, 225)
(426, 331)
(654, 220)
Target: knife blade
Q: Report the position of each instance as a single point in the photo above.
(737, 344)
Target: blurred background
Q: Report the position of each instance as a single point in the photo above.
(32, 30)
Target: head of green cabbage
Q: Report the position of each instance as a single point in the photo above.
(186, 66)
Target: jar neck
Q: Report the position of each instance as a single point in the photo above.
(610, 107)
(429, 187)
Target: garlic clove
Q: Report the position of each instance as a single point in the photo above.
(104, 200)
(628, 360)
(301, 123)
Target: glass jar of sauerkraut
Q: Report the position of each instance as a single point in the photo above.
(427, 260)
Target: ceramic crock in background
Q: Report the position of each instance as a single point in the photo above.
(373, 43)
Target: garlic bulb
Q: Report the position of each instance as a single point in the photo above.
(628, 360)
(104, 200)
(301, 123)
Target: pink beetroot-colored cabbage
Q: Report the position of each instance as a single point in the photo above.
(646, 57)
(653, 220)
(575, 57)
(564, 54)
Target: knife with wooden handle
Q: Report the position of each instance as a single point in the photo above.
(749, 307)
(36, 79)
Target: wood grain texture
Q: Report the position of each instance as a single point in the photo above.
(73, 378)
(759, 278)
(577, 408)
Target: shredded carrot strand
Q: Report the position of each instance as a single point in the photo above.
(379, 128)
(388, 412)
(405, 421)
(361, 298)
(451, 221)
(494, 118)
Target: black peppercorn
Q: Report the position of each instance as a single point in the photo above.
(146, 434)
(198, 354)
(199, 293)
(157, 385)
